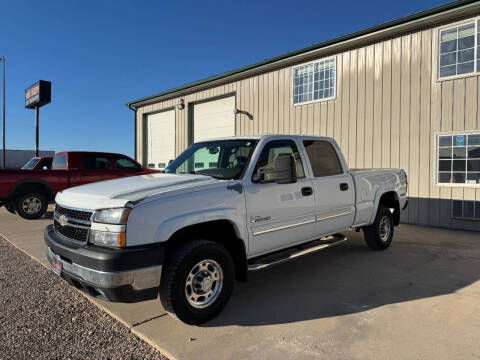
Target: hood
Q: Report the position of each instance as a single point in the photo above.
(116, 193)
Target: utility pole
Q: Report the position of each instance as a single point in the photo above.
(2, 59)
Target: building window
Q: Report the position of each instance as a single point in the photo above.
(315, 81)
(464, 209)
(459, 50)
(458, 159)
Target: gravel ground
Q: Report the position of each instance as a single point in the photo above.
(41, 317)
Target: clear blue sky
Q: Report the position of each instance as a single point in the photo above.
(101, 54)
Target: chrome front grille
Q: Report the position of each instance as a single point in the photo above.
(73, 224)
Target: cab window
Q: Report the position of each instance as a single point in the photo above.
(323, 158)
(59, 162)
(125, 164)
(266, 161)
(94, 162)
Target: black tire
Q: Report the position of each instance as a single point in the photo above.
(173, 287)
(10, 208)
(376, 237)
(41, 203)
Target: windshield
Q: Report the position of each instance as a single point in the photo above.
(221, 159)
(30, 164)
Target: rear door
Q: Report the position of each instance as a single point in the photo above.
(279, 215)
(96, 167)
(333, 186)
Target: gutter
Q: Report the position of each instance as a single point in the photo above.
(134, 109)
(391, 28)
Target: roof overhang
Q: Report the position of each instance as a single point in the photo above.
(424, 19)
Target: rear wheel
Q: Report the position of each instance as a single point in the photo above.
(378, 236)
(197, 281)
(31, 205)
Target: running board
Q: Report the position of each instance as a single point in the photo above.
(281, 256)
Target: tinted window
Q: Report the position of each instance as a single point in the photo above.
(59, 162)
(94, 162)
(323, 158)
(266, 161)
(125, 164)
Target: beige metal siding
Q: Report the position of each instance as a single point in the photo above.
(387, 111)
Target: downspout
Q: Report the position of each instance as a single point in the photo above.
(134, 109)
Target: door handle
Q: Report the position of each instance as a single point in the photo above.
(343, 187)
(307, 191)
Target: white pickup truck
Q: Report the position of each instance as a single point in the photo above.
(222, 208)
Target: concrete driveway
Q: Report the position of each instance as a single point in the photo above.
(419, 299)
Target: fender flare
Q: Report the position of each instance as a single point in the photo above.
(26, 182)
(378, 195)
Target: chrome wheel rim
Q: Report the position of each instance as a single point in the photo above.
(31, 205)
(204, 284)
(384, 228)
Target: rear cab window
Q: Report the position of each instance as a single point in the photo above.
(59, 162)
(123, 163)
(96, 162)
(323, 158)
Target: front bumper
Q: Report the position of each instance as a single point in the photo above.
(122, 275)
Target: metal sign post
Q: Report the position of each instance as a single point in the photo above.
(36, 130)
(2, 59)
(37, 95)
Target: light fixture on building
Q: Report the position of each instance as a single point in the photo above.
(238, 111)
(181, 106)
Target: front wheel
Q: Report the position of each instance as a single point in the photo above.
(197, 281)
(378, 236)
(31, 205)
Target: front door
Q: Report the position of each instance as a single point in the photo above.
(279, 215)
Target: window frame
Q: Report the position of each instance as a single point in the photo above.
(292, 84)
(436, 160)
(457, 24)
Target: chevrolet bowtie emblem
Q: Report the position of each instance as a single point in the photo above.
(62, 220)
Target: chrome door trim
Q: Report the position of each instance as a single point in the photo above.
(284, 227)
(334, 216)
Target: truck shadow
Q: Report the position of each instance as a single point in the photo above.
(421, 263)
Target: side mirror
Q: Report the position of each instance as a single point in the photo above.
(285, 170)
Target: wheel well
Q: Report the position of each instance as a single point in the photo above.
(219, 231)
(390, 200)
(38, 187)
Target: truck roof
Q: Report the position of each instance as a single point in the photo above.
(89, 152)
(270, 136)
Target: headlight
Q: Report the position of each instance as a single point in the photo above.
(105, 238)
(117, 216)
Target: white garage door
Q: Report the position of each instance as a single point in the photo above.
(160, 139)
(214, 119)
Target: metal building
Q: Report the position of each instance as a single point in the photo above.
(15, 159)
(401, 94)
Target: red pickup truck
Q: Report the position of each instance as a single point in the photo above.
(28, 192)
